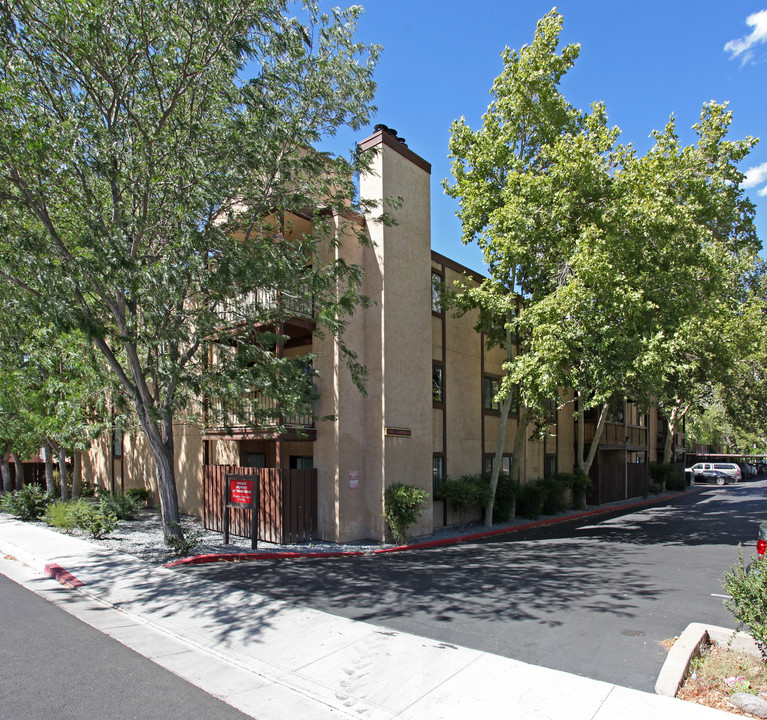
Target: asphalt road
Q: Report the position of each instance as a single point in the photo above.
(55, 666)
(595, 599)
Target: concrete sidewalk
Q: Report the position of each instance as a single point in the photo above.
(274, 661)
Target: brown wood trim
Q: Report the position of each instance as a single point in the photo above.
(381, 137)
(456, 267)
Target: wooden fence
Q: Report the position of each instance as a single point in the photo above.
(287, 503)
(611, 483)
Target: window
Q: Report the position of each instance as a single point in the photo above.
(549, 466)
(551, 410)
(438, 384)
(255, 460)
(487, 464)
(301, 462)
(437, 473)
(436, 292)
(491, 387)
(117, 446)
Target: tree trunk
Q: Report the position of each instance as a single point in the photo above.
(48, 455)
(585, 463)
(672, 423)
(62, 453)
(161, 444)
(19, 471)
(5, 468)
(77, 473)
(498, 459)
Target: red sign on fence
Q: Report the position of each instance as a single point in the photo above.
(241, 491)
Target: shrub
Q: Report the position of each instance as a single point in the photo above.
(655, 488)
(530, 499)
(29, 503)
(140, 495)
(94, 521)
(747, 588)
(183, 547)
(123, 507)
(554, 495)
(505, 497)
(403, 505)
(579, 483)
(665, 475)
(64, 515)
(464, 493)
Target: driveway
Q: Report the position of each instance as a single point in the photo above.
(596, 599)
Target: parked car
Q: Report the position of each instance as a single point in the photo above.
(716, 476)
(730, 468)
(761, 542)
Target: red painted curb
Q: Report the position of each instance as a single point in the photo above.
(65, 577)
(234, 557)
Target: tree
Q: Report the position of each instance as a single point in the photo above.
(145, 186)
(614, 266)
(525, 210)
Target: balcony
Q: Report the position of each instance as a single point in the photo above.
(260, 417)
(617, 435)
(263, 303)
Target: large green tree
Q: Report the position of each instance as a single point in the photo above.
(150, 154)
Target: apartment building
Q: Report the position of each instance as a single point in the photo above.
(429, 409)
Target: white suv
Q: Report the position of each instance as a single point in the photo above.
(729, 468)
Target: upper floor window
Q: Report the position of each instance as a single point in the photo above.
(491, 388)
(436, 292)
(438, 383)
(551, 410)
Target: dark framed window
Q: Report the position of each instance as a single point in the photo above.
(490, 388)
(549, 466)
(301, 462)
(551, 410)
(438, 384)
(437, 474)
(117, 445)
(487, 463)
(255, 460)
(436, 292)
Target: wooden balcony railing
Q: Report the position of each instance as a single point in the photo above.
(614, 434)
(245, 418)
(252, 305)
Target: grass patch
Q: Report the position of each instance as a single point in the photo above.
(719, 673)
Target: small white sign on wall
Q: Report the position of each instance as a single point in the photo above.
(354, 480)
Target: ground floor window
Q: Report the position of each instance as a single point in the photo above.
(255, 460)
(487, 464)
(301, 462)
(549, 466)
(437, 474)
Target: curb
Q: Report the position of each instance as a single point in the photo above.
(244, 557)
(692, 641)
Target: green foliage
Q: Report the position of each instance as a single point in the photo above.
(92, 520)
(183, 545)
(123, 507)
(162, 180)
(29, 503)
(505, 497)
(403, 505)
(530, 499)
(665, 475)
(65, 514)
(555, 499)
(140, 495)
(464, 493)
(579, 483)
(656, 488)
(747, 588)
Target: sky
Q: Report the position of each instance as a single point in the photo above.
(645, 61)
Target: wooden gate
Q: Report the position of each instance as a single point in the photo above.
(287, 503)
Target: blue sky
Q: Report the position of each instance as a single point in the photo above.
(644, 61)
